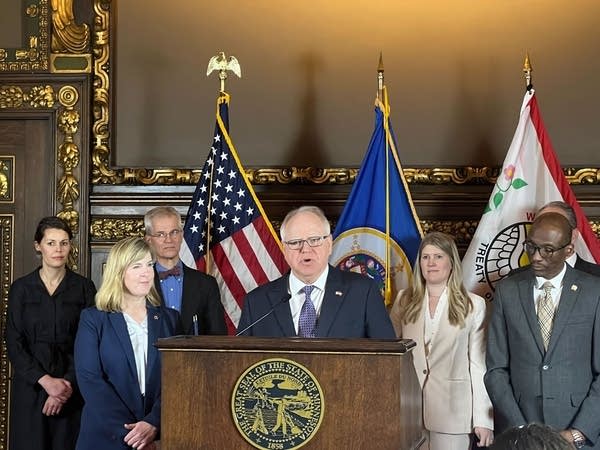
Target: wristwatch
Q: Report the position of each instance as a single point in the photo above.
(578, 438)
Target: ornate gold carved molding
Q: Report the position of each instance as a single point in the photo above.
(101, 172)
(38, 97)
(6, 253)
(34, 57)
(70, 41)
(68, 158)
(300, 175)
(312, 175)
(114, 229)
(67, 36)
(462, 230)
(64, 102)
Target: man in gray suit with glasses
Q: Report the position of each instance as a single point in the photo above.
(543, 350)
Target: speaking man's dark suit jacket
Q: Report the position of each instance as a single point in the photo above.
(352, 308)
(107, 377)
(560, 387)
(200, 296)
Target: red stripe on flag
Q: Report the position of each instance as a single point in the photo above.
(228, 273)
(270, 244)
(201, 264)
(561, 181)
(247, 252)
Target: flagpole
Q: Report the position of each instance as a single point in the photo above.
(382, 96)
(221, 64)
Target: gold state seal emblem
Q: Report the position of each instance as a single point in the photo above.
(277, 404)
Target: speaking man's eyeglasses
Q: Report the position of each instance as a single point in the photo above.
(313, 241)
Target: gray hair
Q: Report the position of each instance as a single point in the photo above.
(305, 209)
(566, 210)
(159, 211)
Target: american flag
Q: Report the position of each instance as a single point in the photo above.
(226, 219)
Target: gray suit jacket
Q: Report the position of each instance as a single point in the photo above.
(560, 387)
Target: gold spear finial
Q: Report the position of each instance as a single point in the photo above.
(219, 62)
(527, 69)
(380, 76)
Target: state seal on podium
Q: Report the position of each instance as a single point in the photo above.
(277, 404)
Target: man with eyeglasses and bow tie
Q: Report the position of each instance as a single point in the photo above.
(543, 348)
(314, 299)
(194, 294)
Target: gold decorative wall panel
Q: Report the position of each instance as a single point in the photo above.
(63, 100)
(33, 57)
(7, 182)
(6, 264)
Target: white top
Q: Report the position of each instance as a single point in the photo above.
(557, 285)
(432, 324)
(138, 335)
(296, 288)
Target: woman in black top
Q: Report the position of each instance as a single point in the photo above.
(43, 315)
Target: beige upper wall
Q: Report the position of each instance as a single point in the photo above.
(453, 70)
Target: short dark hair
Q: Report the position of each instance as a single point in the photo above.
(535, 436)
(51, 222)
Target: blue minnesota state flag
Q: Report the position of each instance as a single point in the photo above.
(378, 233)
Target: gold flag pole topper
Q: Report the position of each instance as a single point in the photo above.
(222, 64)
(527, 69)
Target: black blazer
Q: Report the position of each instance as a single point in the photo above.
(588, 267)
(200, 297)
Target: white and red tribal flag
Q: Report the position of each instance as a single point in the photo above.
(531, 177)
(227, 233)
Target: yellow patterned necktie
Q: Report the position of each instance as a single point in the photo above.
(545, 313)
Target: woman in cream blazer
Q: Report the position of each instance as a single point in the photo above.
(448, 325)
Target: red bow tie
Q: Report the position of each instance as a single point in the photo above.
(174, 271)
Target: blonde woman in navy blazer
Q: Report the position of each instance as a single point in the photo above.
(120, 385)
(448, 325)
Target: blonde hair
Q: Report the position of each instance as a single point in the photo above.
(121, 256)
(459, 302)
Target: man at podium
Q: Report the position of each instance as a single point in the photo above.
(314, 299)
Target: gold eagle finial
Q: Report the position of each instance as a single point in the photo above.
(222, 64)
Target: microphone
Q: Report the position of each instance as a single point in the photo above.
(285, 299)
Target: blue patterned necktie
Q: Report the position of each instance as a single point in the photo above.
(308, 315)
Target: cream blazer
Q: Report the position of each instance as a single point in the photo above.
(451, 376)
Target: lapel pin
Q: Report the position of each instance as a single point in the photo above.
(573, 287)
(338, 293)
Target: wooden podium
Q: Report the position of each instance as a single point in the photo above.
(369, 393)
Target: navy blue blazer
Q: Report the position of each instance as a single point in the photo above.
(352, 308)
(107, 376)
